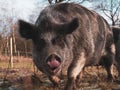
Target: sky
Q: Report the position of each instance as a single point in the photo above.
(12, 10)
(19, 8)
(25, 9)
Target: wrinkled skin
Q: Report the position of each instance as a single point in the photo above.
(69, 36)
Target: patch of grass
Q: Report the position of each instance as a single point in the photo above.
(21, 66)
(18, 62)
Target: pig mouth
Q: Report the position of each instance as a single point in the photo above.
(53, 62)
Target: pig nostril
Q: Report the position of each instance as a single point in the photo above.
(58, 58)
(49, 58)
(53, 57)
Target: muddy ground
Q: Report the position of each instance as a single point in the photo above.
(22, 77)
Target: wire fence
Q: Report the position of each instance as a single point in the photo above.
(17, 53)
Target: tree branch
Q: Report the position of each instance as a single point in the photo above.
(50, 1)
(106, 14)
(117, 9)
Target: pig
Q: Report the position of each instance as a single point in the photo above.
(68, 35)
(116, 36)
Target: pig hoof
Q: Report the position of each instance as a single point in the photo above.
(55, 80)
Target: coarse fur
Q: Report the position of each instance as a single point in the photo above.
(69, 33)
(116, 34)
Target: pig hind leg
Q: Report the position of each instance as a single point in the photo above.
(108, 65)
(107, 60)
(117, 63)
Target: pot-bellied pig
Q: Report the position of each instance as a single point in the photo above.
(69, 33)
(116, 35)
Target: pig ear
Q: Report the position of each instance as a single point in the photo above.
(68, 28)
(26, 30)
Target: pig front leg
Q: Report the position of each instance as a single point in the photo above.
(74, 70)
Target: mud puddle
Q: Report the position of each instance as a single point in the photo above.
(42, 83)
(94, 79)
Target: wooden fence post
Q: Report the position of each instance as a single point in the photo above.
(11, 53)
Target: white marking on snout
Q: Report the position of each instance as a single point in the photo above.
(79, 65)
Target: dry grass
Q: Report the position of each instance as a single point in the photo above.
(22, 66)
(18, 62)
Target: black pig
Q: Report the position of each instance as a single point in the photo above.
(68, 32)
(116, 36)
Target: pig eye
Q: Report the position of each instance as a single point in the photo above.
(53, 41)
(42, 42)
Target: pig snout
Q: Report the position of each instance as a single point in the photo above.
(53, 61)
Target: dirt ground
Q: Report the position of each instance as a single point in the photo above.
(24, 76)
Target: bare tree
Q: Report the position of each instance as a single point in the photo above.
(58, 1)
(111, 9)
